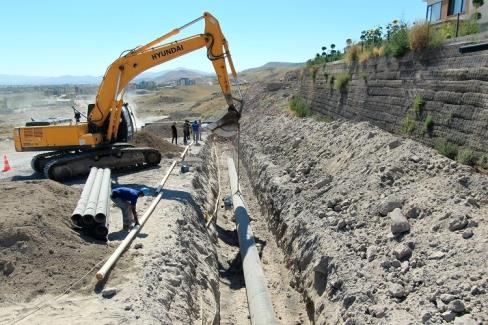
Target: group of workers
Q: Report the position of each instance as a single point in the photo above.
(195, 127)
(126, 198)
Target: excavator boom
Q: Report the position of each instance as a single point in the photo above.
(74, 149)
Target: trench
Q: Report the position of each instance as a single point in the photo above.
(288, 303)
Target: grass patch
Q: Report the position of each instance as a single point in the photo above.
(323, 118)
(446, 148)
(398, 44)
(482, 161)
(408, 123)
(418, 106)
(466, 157)
(428, 123)
(300, 107)
(341, 81)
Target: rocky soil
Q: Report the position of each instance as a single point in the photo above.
(376, 228)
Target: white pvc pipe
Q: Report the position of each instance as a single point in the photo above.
(81, 205)
(101, 212)
(258, 298)
(127, 240)
(93, 197)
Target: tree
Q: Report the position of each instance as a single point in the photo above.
(478, 3)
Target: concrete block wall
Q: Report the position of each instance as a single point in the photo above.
(453, 87)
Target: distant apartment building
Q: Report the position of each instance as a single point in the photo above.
(445, 10)
(185, 82)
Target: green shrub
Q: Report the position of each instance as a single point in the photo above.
(483, 161)
(447, 148)
(398, 45)
(468, 27)
(341, 81)
(428, 123)
(408, 123)
(300, 107)
(418, 106)
(466, 157)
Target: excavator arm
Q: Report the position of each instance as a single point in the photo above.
(108, 106)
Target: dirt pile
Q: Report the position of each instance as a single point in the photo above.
(39, 251)
(375, 228)
(150, 139)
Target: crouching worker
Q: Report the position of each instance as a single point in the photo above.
(126, 199)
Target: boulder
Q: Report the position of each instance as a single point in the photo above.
(397, 290)
(402, 252)
(388, 205)
(399, 224)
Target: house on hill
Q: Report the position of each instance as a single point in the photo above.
(445, 10)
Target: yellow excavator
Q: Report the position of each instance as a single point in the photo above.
(101, 141)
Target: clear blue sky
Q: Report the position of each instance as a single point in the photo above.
(54, 37)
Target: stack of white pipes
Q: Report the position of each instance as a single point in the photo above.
(92, 211)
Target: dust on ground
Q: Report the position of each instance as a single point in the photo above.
(150, 139)
(39, 251)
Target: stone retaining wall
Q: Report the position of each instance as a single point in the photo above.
(453, 88)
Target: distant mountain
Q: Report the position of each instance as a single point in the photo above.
(275, 65)
(15, 80)
(158, 77)
(178, 73)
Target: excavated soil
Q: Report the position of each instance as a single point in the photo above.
(39, 251)
(150, 139)
(375, 228)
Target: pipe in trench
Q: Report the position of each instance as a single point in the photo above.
(258, 298)
(81, 205)
(101, 212)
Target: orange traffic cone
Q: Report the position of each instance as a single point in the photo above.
(6, 165)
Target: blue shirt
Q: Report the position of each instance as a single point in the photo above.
(195, 126)
(127, 194)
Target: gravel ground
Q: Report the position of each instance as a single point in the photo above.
(375, 228)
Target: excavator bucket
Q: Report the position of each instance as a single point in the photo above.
(228, 125)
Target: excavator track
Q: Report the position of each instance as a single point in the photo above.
(71, 165)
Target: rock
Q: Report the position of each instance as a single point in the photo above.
(415, 159)
(296, 143)
(402, 252)
(448, 316)
(458, 223)
(8, 268)
(377, 311)
(399, 224)
(341, 225)
(397, 290)
(426, 316)
(371, 253)
(447, 298)
(468, 233)
(456, 306)
(138, 246)
(475, 290)
(323, 182)
(348, 301)
(413, 212)
(394, 144)
(438, 255)
(389, 205)
(109, 292)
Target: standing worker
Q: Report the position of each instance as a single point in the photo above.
(196, 130)
(186, 132)
(200, 130)
(174, 133)
(126, 199)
